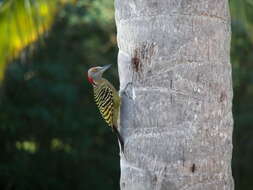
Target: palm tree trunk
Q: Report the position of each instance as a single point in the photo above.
(175, 81)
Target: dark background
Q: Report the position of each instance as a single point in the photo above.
(51, 133)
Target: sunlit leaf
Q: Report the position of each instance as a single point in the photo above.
(22, 22)
(28, 146)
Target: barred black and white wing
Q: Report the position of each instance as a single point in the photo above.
(104, 99)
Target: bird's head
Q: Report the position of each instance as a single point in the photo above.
(95, 73)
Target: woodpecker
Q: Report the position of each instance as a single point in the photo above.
(106, 98)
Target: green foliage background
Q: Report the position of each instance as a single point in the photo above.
(51, 134)
(242, 62)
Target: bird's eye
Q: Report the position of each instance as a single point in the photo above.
(95, 70)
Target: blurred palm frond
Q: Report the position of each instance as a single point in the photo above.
(22, 22)
(241, 12)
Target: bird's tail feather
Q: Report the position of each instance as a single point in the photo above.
(120, 139)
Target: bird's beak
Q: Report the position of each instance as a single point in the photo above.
(104, 68)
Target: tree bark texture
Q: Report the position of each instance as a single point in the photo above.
(176, 88)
